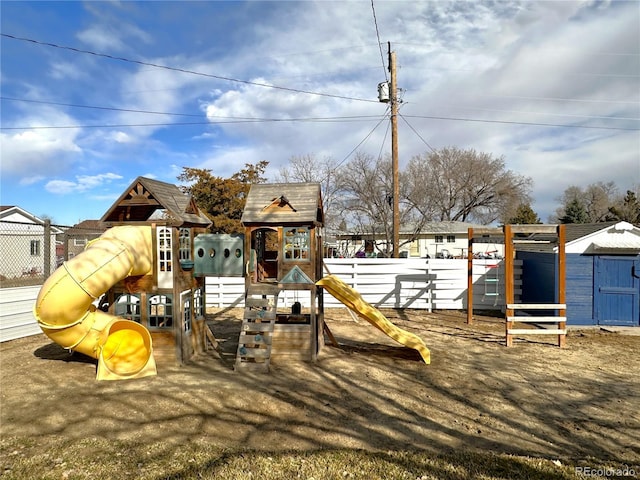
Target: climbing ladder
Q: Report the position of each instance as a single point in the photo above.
(492, 282)
(254, 344)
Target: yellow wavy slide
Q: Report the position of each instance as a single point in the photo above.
(353, 300)
(66, 314)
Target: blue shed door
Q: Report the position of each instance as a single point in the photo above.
(616, 295)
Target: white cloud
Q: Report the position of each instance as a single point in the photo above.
(38, 152)
(83, 183)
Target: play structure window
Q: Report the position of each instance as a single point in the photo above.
(160, 311)
(128, 306)
(185, 244)
(198, 303)
(164, 249)
(186, 308)
(296, 244)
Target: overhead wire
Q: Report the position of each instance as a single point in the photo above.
(375, 21)
(182, 70)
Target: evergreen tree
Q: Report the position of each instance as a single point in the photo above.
(575, 212)
(628, 210)
(525, 216)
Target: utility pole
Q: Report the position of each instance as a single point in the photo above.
(394, 152)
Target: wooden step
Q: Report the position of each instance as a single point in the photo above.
(256, 335)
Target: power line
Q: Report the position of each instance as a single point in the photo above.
(96, 107)
(364, 139)
(183, 70)
(228, 120)
(417, 134)
(459, 119)
(375, 21)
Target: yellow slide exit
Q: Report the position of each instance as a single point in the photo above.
(66, 314)
(353, 300)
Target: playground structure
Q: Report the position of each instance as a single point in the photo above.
(529, 312)
(140, 268)
(136, 294)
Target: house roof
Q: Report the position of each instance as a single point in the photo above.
(19, 216)
(86, 227)
(284, 204)
(147, 200)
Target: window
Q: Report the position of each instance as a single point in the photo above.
(186, 307)
(296, 244)
(185, 244)
(164, 249)
(160, 311)
(451, 239)
(198, 303)
(79, 242)
(439, 239)
(35, 248)
(128, 306)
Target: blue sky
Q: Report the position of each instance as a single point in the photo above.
(475, 75)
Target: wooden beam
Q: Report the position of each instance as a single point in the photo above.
(536, 331)
(562, 276)
(508, 282)
(470, 277)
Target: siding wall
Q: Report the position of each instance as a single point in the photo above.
(580, 278)
(16, 312)
(384, 283)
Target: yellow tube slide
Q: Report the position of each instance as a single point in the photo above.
(65, 311)
(353, 300)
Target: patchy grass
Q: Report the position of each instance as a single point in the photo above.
(95, 458)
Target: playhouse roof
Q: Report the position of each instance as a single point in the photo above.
(284, 204)
(147, 200)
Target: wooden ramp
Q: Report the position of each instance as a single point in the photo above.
(256, 335)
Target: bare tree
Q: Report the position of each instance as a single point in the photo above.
(596, 200)
(366, 186)
(465, 185)
(311, 169)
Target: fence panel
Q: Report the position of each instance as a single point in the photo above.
(428, 284)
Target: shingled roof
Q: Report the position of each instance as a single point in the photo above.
(284, 204)
(147, 200)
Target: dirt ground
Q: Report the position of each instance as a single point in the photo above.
(371, 393)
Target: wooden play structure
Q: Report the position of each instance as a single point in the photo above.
(283, 239)
(538, 317)
(169, 301)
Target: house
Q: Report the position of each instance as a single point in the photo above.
(602, 273)
(27, 245)
(76, 238)
(447, 239)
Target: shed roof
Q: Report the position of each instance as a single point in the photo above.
(146, 197)
(613, 237)
(284, 204)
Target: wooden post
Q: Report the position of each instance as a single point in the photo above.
(508, 282)
(470, 276)
(562, 290)
(394, 153)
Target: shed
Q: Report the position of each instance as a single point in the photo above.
(602, 274)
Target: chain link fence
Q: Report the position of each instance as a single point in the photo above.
(30, 252)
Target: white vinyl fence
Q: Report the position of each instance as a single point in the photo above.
(431, 284)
